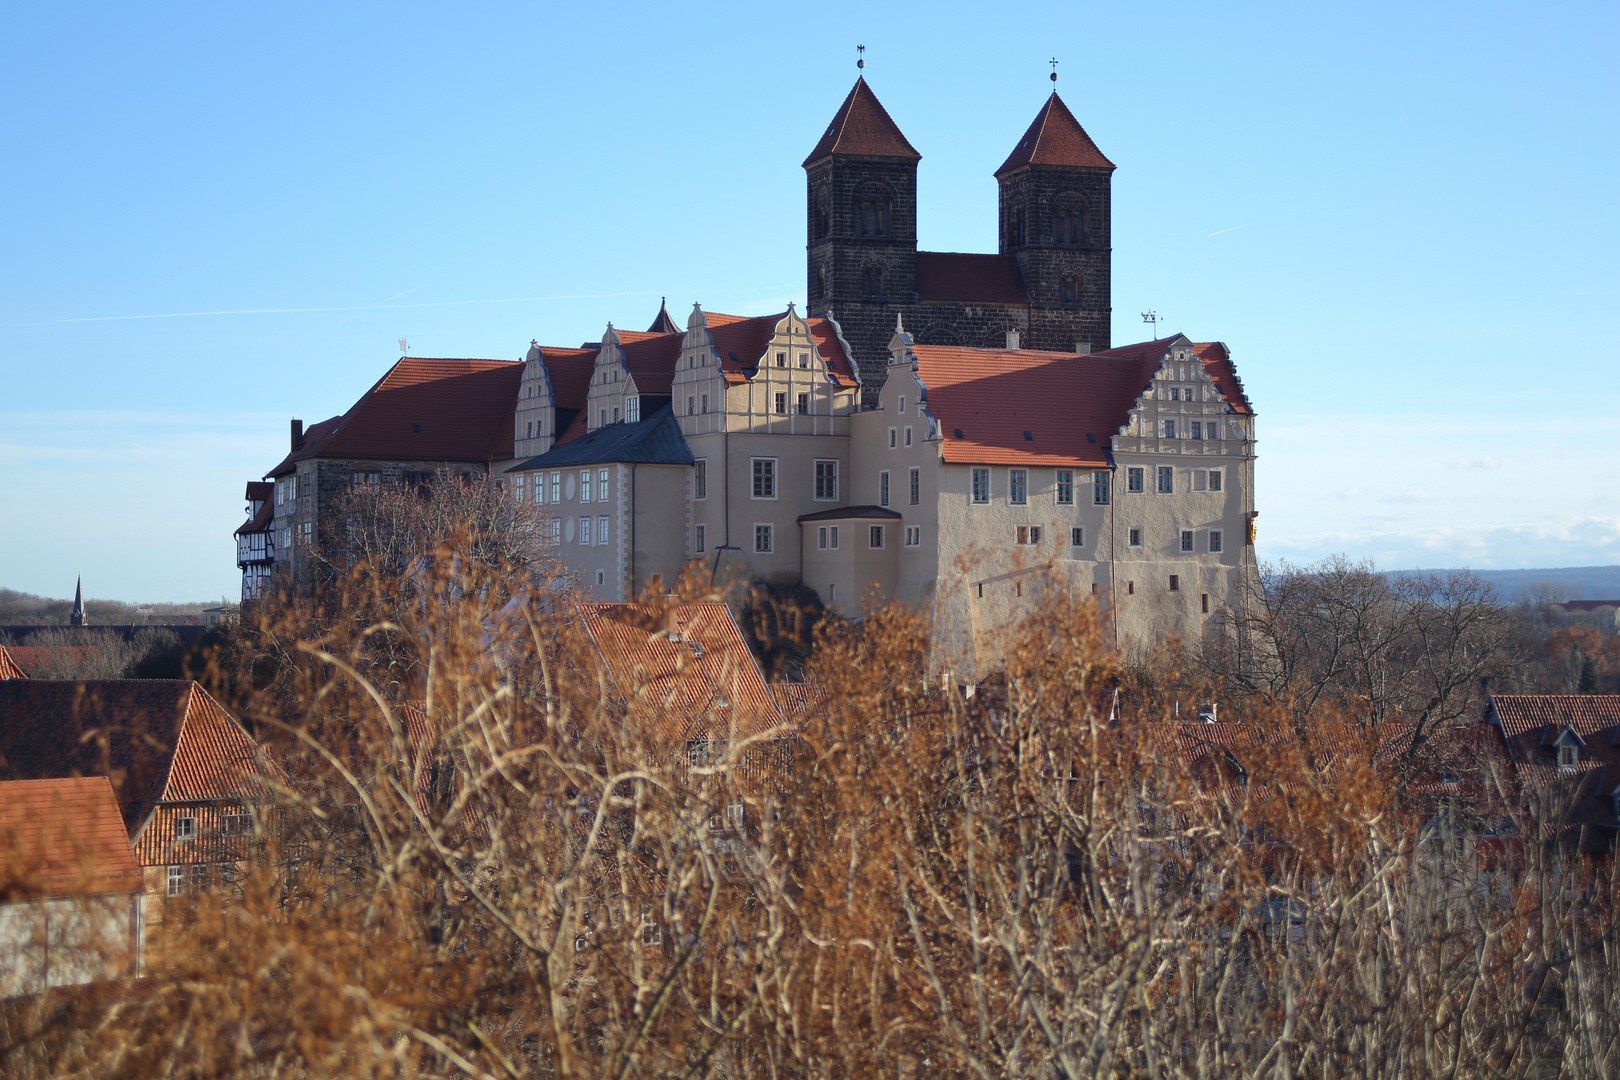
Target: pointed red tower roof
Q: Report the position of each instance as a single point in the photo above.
(1055, 138)
(862, 128)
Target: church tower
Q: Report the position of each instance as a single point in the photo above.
(1055, 213)
(861, 185)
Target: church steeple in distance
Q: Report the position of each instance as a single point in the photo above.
(77, 617)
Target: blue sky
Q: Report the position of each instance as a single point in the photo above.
(1401, 218)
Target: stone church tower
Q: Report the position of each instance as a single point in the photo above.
(1046, 288)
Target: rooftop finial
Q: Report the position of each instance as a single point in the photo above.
(860, 57)
(1054, 64)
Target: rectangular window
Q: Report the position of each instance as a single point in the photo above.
(556, 532)
(1186, 541)
(1203, 600)
(883, 489)
(804, 360)
(874, 536)
(1099, 488)
(1065, 487)
(832, 538)
(1017, 486)
(902, 403)
(827, 481)
(1216, 540)
(804, 404)
(764, 478)
(1200, 480)
(698, 537)
(539, 487)
(762, 539)
(177, 880)
(601, 530)
(1197, 430)
(1077, 536)
(913, 535)
(908, 436)
(781, 359)
(916, 486)
(632, 410)
(1135, 538)
(585, 485)
(601, 485)
(1215, 480)
(530, 429)
(364, 479)
(517, 486)
(821, 538)
(1175, 583)
(1027, 535)
(185, 828)
(556, 487)
(832, 593)
(1133, 480)
(981, 485)
(604, 419)
(585, 531)
(705, 400)
(893, 433)
(700, 478)
(615, 414)
(691, 405)
(781, 403)
(1169, 429)
(1167, 479)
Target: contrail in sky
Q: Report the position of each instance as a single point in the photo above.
(357, 307)
(1234, 228)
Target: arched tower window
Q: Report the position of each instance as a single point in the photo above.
(821, 283)
(872, 281)
(1015, 225)
(823, 212)
(1069, 290)
(873, 209)
(1069, 214)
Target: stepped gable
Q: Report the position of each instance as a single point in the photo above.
(423, 409)
(862, 128)
(156, 739)
(994, 396)
(65, 838)
(741, 344)
(1055, 137)
(1216, 359)
(967, 278)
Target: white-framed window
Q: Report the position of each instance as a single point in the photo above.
(874, 536)
(556, 531)
(185, 828)
(699, 532)
(827, 537)
(1186, 541)
(585, 485)
(652, 932)
(902, 404)
(913, 536)
(615, 414)
(764, 477)
(177, 880)
(981, 486)
(908, 435)
(804, 404)
(883, 488)
(821, 538)
(1065, 487)
(1217, 541)
(1017, 486)
(1197, 431)
(602, 529)
(632, 410)
(306, 533)
(1077, 536)
(804, 360)
(916, 486)
(1169, 429)
(1215, 480)
(691, 405)
(556, 487)
(700, 478)
(1133, 480)
(762, 539)
(781, 359)
(1134, 537)
(826, 480)
(781, 403)
(517, 487)
(604, 419)
(1027, 535)
(1569, 756)
(1167, 480)
(365, 478)
(894, 433)
(705, 403)
(585, 530)
(832, 594)
(1100, 483)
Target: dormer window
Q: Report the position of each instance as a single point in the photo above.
(1569, 756)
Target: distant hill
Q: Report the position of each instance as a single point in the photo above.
(1555, 583)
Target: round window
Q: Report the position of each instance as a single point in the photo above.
(568, 526)
(568, 490)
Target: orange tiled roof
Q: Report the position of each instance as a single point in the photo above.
(157, 739)
(862, 128)
(8, 666)
(1519, 714)
(570, 373)
(696, 665)
(1055, 137)
(741, 343)
(423, 409)
(64, 837)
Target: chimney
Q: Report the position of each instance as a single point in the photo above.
(1012, 339)
(1083, 348)
(297, 434)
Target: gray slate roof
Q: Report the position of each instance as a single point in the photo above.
(847, 513)
(656, 440)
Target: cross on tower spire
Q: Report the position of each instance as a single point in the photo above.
(1054, 63)
(860, 57)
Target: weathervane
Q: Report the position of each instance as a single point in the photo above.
(860, 58)
(1054, 64)
(404, 346)
(1151, 317)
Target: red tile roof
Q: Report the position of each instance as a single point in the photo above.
(1519, 714)
(424, 409)
(976, 279)
(1055, 137)
(862, 128)
(570, 373)
(8, 666)
(714, 690)
(259, 491)
(995, 396)
(157, 739)
(64, 838)
(651, 359)
(746, 340)
(1216, 360)
(259, 522)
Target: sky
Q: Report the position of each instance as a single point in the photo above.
(1401, 218)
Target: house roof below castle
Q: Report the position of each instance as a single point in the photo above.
(657, 440)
